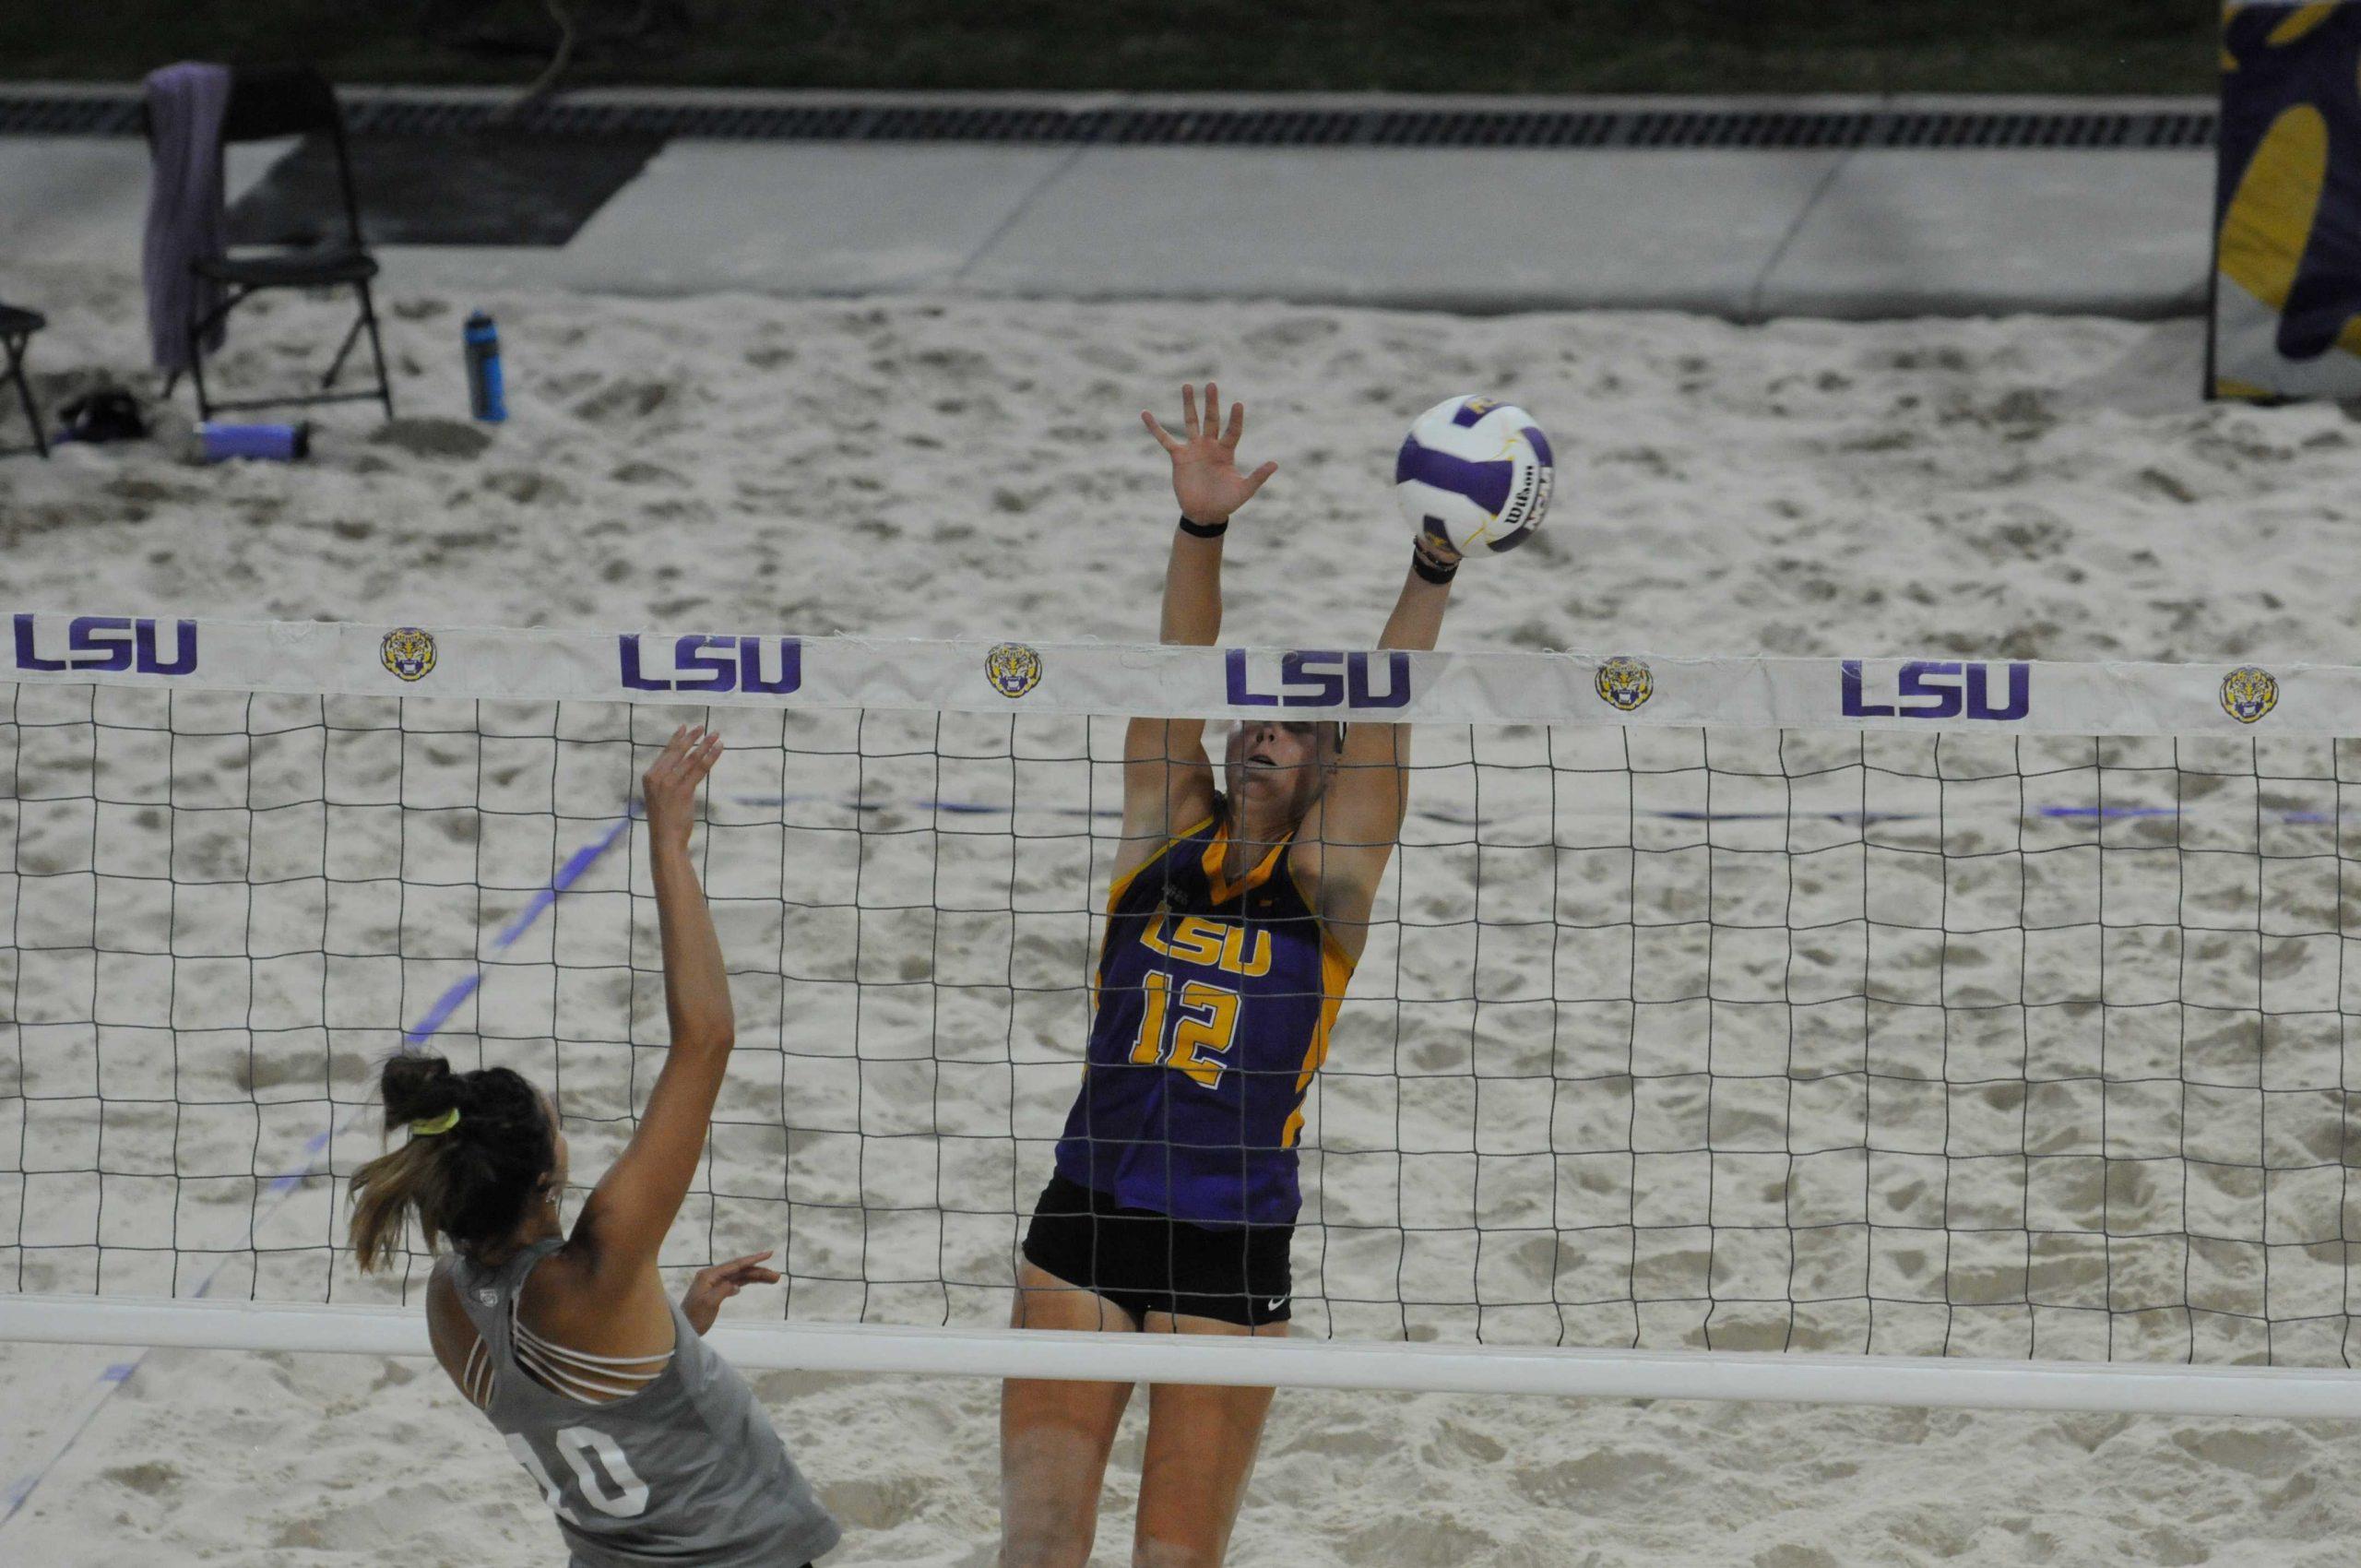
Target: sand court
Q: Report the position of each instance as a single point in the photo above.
(946, 467)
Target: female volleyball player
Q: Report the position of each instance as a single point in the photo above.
(1236, 914)
(650, 1447)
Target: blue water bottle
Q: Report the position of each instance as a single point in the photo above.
(485, 398)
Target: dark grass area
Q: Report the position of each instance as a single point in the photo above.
(1686, 46)
(455, 188)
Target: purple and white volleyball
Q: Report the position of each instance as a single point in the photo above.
(1475, 472)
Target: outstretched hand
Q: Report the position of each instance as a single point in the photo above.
(701, 1303)
(1205, 479)
(669, 787)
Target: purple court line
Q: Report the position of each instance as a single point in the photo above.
(117, 1373)
(2062, 813)
(953, 808)
(451, 1000)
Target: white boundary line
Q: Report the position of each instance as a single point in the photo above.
(1920, 1382)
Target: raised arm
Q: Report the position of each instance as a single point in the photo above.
(623, 1225)
(1350, 835)
(1168, 781)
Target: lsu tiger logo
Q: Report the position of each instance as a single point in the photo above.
(2248, 693)
(408, 652)
(1625, 683)
(1012, 669)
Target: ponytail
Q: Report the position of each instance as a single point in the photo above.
(477, 1150)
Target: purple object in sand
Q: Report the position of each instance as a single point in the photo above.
(276, 443)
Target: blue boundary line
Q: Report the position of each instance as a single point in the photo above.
(117, 1373)
(2053, 812)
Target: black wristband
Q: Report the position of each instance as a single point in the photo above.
(1431, 566)
(1203, 530)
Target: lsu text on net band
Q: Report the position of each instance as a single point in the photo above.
(1923, 1031)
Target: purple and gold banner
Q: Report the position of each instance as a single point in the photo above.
(2287, 203)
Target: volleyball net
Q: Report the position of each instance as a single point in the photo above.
(1803, 1009)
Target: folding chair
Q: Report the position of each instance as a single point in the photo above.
(284, 102)
(16, 329)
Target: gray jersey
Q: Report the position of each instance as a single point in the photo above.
(686, 1471)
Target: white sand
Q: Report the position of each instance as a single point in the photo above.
(2038, 489)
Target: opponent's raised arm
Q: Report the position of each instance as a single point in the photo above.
(623, 1222)
(1353, 830)
(1168, 782)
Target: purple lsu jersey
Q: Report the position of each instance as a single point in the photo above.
(1215, 1000)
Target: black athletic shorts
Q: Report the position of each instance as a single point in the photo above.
(1145, 1262)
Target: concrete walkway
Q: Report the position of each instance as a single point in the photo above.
(1742, 233)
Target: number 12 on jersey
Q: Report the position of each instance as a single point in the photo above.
(1191, 1031)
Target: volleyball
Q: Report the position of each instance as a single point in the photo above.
(1475, 472)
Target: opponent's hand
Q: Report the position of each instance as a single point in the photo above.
(1205, 479)
(701, 1303)
(669, 787)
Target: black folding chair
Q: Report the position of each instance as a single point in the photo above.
(285, 101)
(16, 329)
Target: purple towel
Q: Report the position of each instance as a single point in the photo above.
(185, 224)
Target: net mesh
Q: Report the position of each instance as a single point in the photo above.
(1939, 1042)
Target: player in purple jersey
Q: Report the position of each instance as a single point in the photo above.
(1238, 906)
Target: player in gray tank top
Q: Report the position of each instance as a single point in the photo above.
(647, 1445)
(686, 1470)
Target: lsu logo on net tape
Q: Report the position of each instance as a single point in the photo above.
(1012, 669)
(105, 642)
(408, 652)
(1625, 683)
(2248, 693)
